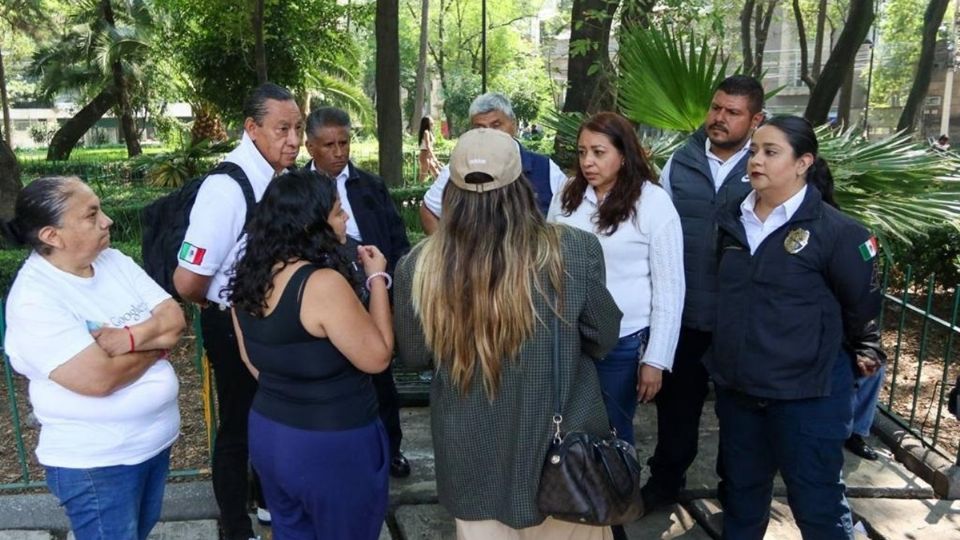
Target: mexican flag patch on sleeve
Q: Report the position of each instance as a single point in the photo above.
(192, 254)
(869, 249)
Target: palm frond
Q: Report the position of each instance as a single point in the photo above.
(668, 78)
(893, 185)
(344, 94)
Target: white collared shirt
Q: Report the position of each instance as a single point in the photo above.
(719, 168)
(757, 231)
(352, 230)
(217, 219)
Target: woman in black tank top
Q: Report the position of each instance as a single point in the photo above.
(315, 437)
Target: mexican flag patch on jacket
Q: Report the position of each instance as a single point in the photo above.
(869, 249)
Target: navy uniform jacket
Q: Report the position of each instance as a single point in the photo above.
(782, 317)
(375, 214)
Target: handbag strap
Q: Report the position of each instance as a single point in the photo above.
(557, 417)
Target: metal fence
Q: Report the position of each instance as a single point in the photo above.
(921, 368)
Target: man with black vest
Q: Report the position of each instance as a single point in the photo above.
(493, 110)
(706, 173)
(374, 220)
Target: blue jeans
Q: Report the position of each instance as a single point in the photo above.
(120, 502)
(618, 381)
(865, 403)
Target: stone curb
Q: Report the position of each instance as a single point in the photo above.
(928, 464)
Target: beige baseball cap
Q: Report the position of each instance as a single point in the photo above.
(488, 151)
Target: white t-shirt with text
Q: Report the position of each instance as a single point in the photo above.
(49, 317)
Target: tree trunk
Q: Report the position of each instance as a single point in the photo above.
(128, 126)
(69, 133)
(846, 99)
(7, 133)
(763, 21)
(818, 40)
(746, 15)
(932, 19)
(389, 119)
(858, 22)
(10, 184)
(421, 68)
(589, 72)
(260, 50)
(636, 13)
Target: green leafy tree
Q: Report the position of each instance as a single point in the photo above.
(100, 56)
(307, 47)
(898, 48)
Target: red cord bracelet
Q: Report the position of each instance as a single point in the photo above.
(130, 335)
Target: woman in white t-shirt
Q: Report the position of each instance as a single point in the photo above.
(91, 331)
(616, 196)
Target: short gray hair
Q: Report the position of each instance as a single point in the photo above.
(492, 101)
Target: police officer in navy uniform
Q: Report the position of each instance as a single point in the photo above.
(374, 221)
(798, 293)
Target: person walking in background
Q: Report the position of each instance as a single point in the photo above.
(798, 295)
(493, 110)
(479, 298)
(270, 144)
(429, 166)
(315, 435)
(375, 222)
(704, 174)
(615, 197)
(92, 332)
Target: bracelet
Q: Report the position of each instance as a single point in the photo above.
(384, 275)
(133, 347)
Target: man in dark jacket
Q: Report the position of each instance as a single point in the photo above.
(702, 176)
(374, 220)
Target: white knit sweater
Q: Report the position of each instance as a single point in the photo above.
(644, 260)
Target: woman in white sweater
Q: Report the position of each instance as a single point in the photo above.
(616, 196)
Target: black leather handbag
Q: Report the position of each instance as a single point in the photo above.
(586, 478)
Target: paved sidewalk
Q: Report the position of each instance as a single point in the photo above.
(888, 501)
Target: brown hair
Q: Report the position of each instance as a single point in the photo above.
(475, 282)
(620, 203)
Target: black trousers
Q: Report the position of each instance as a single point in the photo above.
(679, 406)
(389, 400)
(235, 387)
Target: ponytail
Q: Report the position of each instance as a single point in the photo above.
(819, 176)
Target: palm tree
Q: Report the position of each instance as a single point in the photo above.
(100, 58)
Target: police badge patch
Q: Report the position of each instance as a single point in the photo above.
(796, 240)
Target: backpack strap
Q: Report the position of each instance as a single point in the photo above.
(236, 172)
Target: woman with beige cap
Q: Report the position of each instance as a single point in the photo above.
(478, 299)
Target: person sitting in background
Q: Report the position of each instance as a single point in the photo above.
(315, 436)
(942, 143)
(429, 166)
(91, 331)
(479, 298)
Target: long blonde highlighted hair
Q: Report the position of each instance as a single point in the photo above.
(475, 279)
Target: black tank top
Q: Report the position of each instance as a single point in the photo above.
(305, 382)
